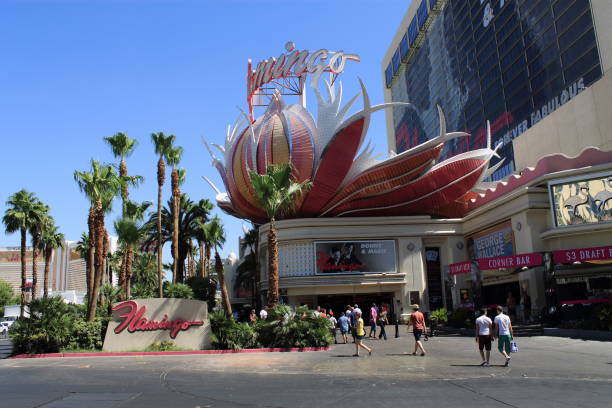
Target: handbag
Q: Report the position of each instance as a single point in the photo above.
(514, 347)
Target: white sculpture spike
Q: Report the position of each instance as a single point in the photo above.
(212, 185)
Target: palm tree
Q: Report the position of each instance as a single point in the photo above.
(122, 147)
(247, 271)
(163, 144)
(277, 193)
(217, 239)
(130, 231)
(36, 230)
(173, 159)
(201, 233)
(21, 213)
(51, 240)
(100, 185)
(188, 213)
(85, 250)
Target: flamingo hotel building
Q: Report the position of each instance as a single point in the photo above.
(539, 226)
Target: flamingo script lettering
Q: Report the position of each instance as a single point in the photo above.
(133, 319)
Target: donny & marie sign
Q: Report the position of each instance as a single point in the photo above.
(332, 257)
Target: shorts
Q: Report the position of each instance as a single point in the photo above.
(343, 331)
(484, 342)
(504, 343)
(417, 334)
(359, 337)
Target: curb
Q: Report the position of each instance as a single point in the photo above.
(171, 353)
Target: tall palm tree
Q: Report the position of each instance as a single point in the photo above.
(101, 185)
(51, 240)
(277, 192)
(201, 232)
(163, 144)
(217, 239)
(188, 213)
(36, 230)
(20, 214)
(122, 147)
(130, 232)
(173, 159)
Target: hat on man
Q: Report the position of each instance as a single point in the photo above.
(415, 306)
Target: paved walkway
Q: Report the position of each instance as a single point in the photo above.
(547, 372)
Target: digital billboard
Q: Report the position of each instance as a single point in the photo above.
(512, 62)
(332, 257)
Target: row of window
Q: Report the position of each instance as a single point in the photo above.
(532, 51)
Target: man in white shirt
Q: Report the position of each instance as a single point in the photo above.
(484, 332)
(263, 313)
(503, 329)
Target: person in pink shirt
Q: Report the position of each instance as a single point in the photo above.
(373, 319)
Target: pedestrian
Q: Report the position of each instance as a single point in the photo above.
(382, 322)
(373, 319)
(323, 314)
(503, 329)
(360, 334)
(317, 311)
(357, 309)
(483, 333)
(353, 323)
(343, 323)
(333, 323)
(417, 320)
(253, 317)
(263, 313)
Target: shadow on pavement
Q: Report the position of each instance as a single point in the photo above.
(475, 365)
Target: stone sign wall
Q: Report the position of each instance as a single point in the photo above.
(136, 324)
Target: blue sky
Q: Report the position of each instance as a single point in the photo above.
(75, 71)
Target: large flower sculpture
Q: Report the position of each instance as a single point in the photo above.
(347, 179)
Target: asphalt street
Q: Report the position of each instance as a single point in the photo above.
(546, 372)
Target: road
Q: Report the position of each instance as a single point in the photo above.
(547, 372)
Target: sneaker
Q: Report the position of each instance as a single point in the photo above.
(507, 362)
(422, 354)
(484, 363)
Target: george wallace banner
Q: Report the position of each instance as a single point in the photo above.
(332, 257)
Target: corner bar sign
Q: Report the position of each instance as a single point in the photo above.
(583, 254)
(459, 268)
(510, 262)
(134, 320)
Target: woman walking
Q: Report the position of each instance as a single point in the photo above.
(360, 334)
(382, 322)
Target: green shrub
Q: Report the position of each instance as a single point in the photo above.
(86, 335)
(285, 327)
(228, 334)
(439, 316)
(461, 318)
(604, 317)
(163, 346)
(178, 290)
(47, 330)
